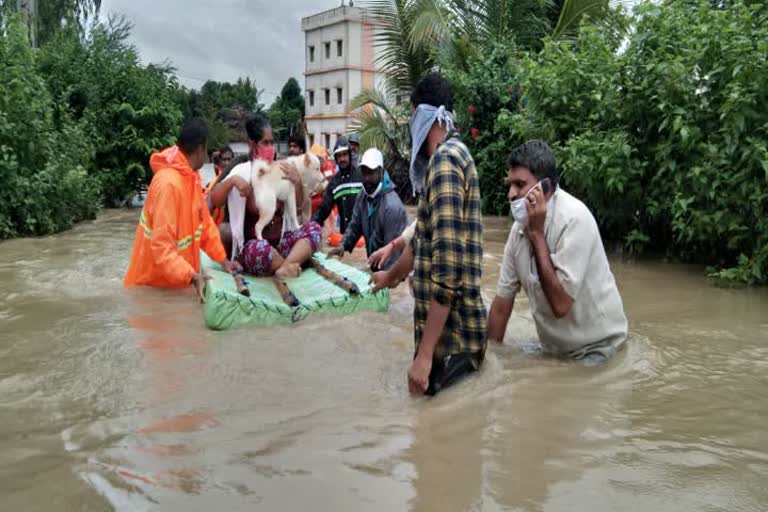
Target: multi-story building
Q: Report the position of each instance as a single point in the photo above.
(339, 64)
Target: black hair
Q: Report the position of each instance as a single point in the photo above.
(255, 127)
(433, 90)
(227, 149)
(537, 157)
(194, 133)
(298, 139)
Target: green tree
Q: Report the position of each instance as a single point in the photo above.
(416, 36)
(224, 105)
(128, 110)
(287, 112)
(42, 163)
(667, 141)
(51, 16)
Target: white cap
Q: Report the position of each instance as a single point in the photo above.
(372, 159)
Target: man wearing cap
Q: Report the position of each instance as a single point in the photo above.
(343, 188)
(379, 214)
(354, 148)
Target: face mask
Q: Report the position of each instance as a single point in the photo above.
(420, 123)
(419, 172)
(266, 153)
(519, 209)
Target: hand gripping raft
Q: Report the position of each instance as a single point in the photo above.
(225, 308)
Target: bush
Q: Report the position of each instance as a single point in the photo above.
(45, 186)
(695, 100)
(125, 110)
(484, 96)
(665, 141)
(602, 169)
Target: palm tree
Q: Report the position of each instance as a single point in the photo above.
(400, 61)
(415, 36)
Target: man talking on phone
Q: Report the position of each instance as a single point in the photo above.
(555, 253)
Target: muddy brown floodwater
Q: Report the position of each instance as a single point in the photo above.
(115, 399)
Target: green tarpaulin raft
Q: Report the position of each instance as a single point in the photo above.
(225, 308)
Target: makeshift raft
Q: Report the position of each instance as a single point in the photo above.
(225, 308)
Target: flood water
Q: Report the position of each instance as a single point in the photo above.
(122, 400)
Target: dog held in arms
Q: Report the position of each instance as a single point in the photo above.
(269, 187)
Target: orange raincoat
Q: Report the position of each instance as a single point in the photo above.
(174, 226)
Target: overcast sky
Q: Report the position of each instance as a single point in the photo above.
(223, 39)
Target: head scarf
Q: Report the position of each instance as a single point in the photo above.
(421, 122)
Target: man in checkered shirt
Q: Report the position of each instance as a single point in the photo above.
(446, 252)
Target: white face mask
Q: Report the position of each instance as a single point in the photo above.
(519, 209)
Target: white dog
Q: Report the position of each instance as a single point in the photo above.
(269, 186)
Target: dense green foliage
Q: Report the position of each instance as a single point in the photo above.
(128, 110)
(665, 138)
(287, 112)
(80, 115)
(224, 105)
(660, 129)
(52, 15)
(78, 119)
(43, 161)
(461, 38)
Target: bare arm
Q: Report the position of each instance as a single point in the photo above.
(403, 267)
(501, 309)
(220, 192)
(559, 301)
(418, 375)
(395, 275)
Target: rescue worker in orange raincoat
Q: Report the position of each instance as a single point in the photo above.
(175, 223)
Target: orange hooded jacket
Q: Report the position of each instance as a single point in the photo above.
(173, 227)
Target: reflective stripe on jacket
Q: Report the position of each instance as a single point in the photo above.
(174, 225)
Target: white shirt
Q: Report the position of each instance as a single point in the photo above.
(596, 319)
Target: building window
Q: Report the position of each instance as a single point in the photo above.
(311, 54)
(311, 139)
(327, 96)
(339, 95)
(328, 140)
(339, 48)
(311, 98)
(328, 50)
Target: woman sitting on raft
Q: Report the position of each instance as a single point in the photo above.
(278, 254)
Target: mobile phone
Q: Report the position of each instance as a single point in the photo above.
(545, 186)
